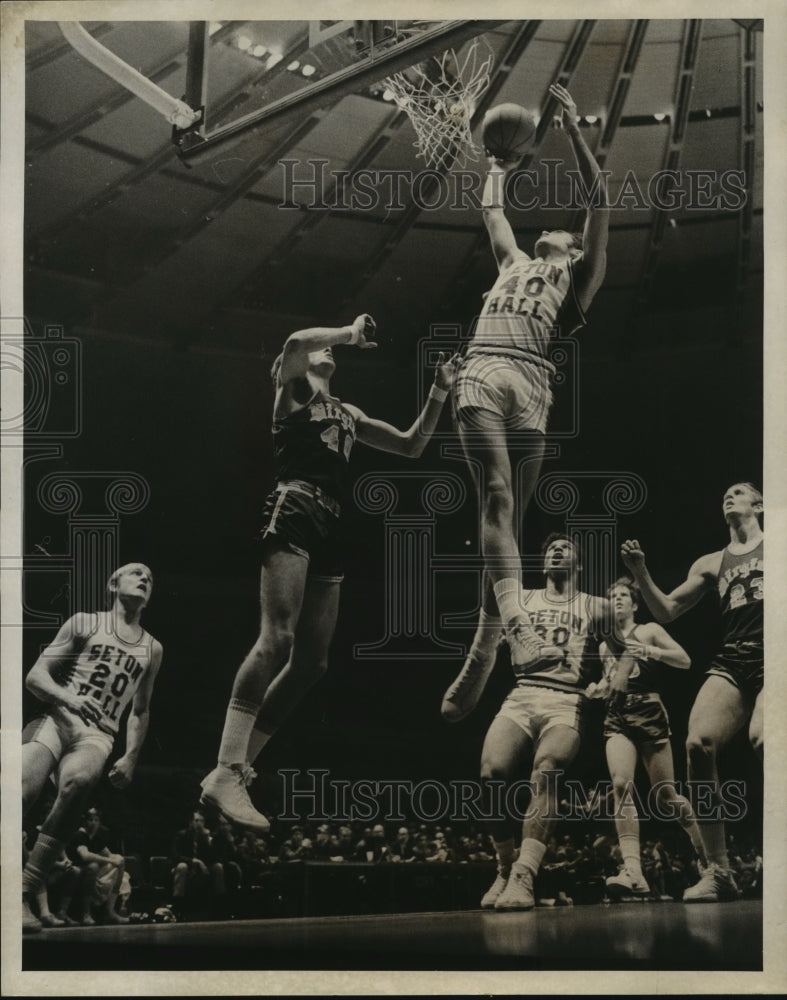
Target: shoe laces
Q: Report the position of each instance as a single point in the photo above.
(246, 774)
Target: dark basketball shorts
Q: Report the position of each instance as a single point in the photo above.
(742, 664)
(303, 519)
(516, 390)
(641, 719)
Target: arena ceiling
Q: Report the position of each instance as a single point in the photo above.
(123, 237)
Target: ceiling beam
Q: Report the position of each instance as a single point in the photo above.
(746, 159)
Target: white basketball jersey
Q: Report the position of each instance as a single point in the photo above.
(562, 623)
(530, 300)
(110, 669)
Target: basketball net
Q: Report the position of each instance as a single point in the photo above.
(439, 97)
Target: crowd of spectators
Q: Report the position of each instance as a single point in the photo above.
(209, 867)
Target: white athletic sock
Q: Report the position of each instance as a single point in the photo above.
(257, 741)
(507, 595)
(238, 724)
(506, 851)
(531, 854)
(715, 844)
(629, 848)
(45, 853)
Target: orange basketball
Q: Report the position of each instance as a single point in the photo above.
(507, 130)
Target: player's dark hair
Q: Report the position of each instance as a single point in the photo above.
(555, 536)
(628, 583)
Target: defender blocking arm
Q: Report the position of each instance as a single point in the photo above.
(298, 346)
(667, 607)
(410, 443)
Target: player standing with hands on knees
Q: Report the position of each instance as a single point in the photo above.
(302, 553)
(502, 392)
(96, 664)
(732, 692)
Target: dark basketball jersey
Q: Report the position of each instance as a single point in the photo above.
(314, 444)
(644, 677)
(530, 300)
(109, 669)
(740, 583)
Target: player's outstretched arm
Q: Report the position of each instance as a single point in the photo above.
(299, 345)
(658, 645)
(667, 607)
(122, 771)
(501, 235)
(596, 231)
(410, 443)
(41, 680)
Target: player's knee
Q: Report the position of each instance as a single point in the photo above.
(75, 785)
(620, 785)
(494, 769)
(180, 870)
(498, 501)
(276, 641)
(700, 748)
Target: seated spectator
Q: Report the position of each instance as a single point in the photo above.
(402, 847)
(374, 846)
(422, 847)
(193, 856)
(440, 850)
(344, 846)
(324, 845)
(102, 871)
(254, 856)
(226, 874)
(296, 847)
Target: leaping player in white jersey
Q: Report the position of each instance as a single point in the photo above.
(541, 719)
(502, 390)
(732, 693)
(96, 665)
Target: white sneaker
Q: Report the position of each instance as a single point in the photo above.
(518, 893)
(464, 694)
(225, 788)
(495, 890)
(715, 886)
(626, 883)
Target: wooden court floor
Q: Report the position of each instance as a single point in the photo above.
(636, 935)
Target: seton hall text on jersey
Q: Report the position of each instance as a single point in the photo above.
(113, 656)
(324, 409)
(745, 569)
(552, 617)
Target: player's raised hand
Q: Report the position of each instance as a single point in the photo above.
(632, 555)
(363, 329)
(445, 371)
(568, 109)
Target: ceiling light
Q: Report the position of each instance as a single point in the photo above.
(244, 42)
(213, 27)
(309, 70)
(591, 119)
(660, 116)
(388, 94)
(293, 65)
(273, 59)
(258, 50)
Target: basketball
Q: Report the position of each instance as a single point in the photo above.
(507, 129)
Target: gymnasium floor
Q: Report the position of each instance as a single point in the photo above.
(639, 936)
